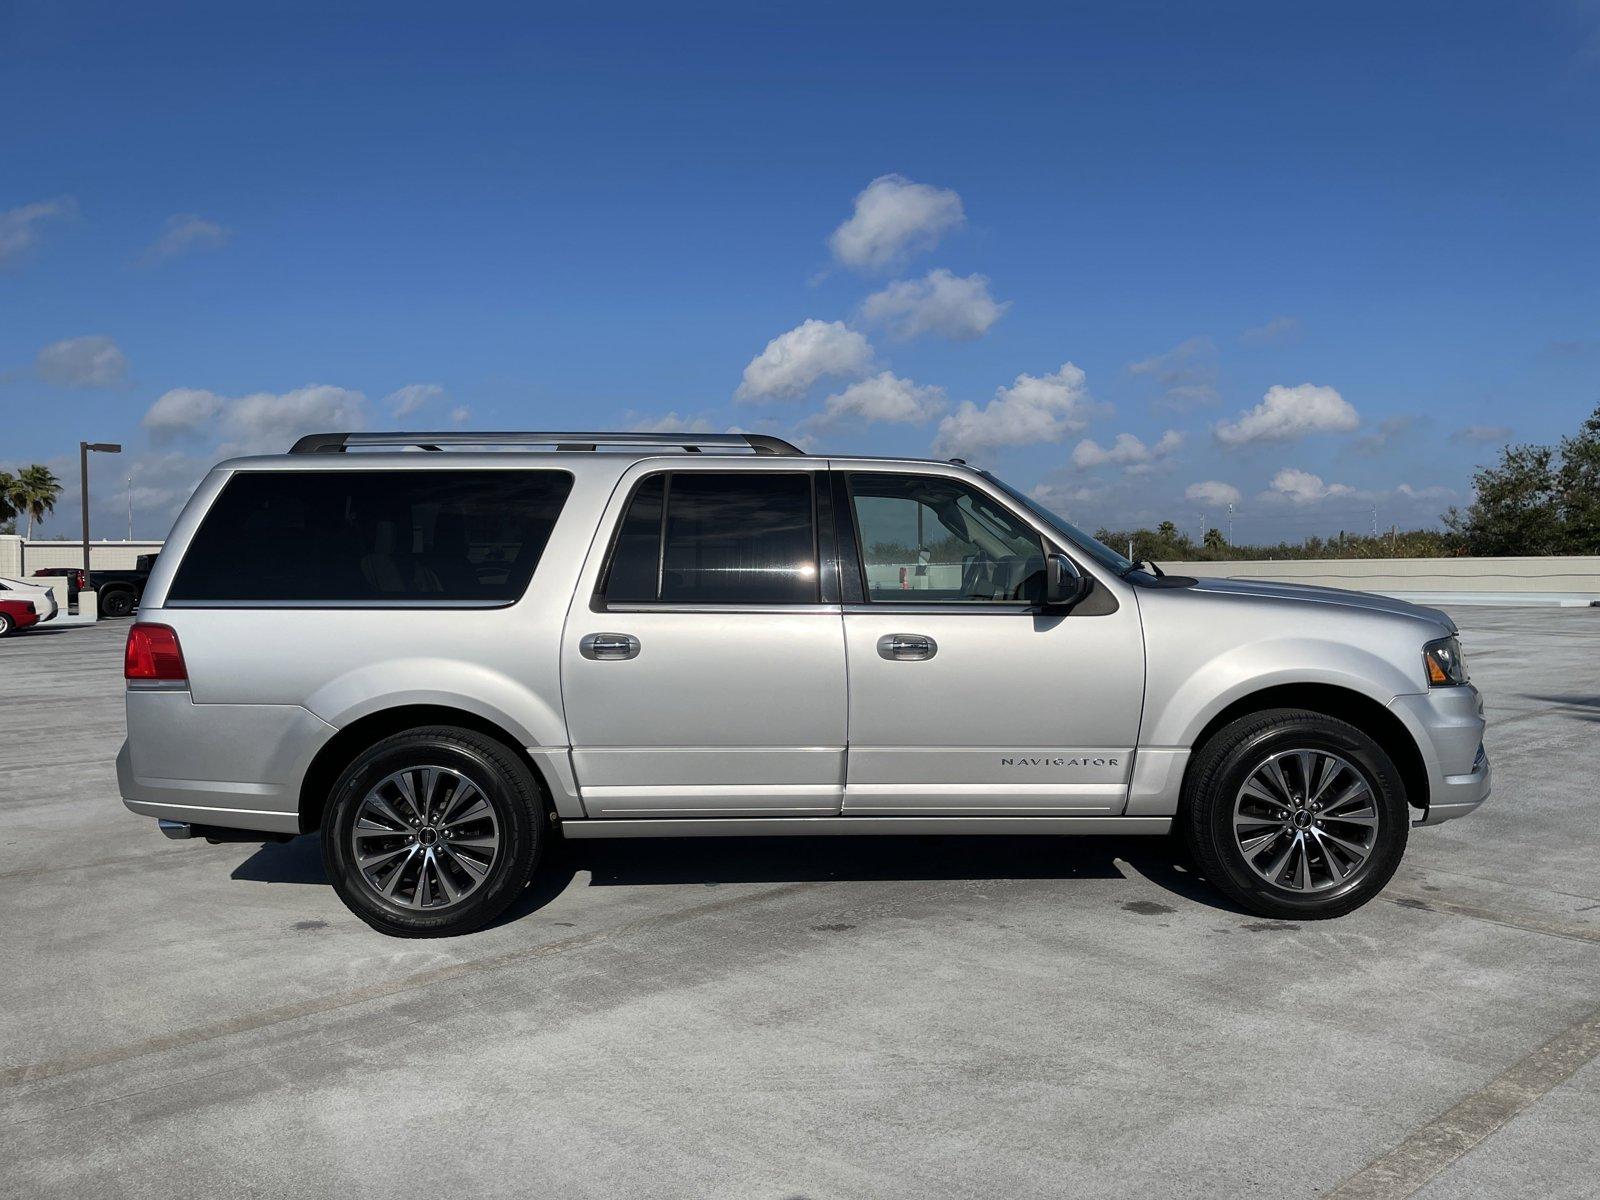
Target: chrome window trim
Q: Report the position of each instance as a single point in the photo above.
(962, 608)
(663, 607)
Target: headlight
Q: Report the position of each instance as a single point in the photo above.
(1443, 662)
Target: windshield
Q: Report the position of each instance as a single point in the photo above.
(1101, 553)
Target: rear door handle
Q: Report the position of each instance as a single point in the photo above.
(609, 646)
(906, 647)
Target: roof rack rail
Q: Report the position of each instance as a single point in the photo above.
(690, 443)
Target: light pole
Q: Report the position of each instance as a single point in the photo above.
(83, 487)
(130, 508)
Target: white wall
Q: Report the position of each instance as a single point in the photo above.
(103, 556)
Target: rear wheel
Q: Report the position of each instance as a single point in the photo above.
(433, 832)
(5, 624)
(118, 603)
(1295, 814)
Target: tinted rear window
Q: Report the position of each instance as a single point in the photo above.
(743, 537)
(372, 536)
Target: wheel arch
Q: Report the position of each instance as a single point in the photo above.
(372, 728)
(1344, 704)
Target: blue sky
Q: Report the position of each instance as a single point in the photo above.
(1310, 259)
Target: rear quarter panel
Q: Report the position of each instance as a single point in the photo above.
(344, 663)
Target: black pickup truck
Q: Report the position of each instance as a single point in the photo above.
(118, 592)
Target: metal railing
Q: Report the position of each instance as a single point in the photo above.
(689, 443)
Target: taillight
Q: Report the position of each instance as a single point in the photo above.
(153, 653)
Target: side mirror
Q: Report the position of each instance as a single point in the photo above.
(1064, 584)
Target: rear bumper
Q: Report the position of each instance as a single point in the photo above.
(236, 766)
(1448, 724)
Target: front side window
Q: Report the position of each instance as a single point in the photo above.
(716, 537)
(929, 539)
(372, 537)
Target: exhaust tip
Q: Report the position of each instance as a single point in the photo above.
(178, 830)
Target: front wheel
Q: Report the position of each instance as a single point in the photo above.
(1295, 814)
(433, 832)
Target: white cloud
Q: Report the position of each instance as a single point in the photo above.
(1187, 373)
(1302, 487)
(162, 483)
(1067, 499)
(185, 233)
(1035, 408)
(670, 422)
(894, 218)
(1126, 451)
(1485, 435)
(1387, 431)
(19, 227)
(1213, 493)
(181, 411)
(1279, 329)
(1288, 413)
(951, 306)
(265, 423)
(460, 415)
(794, 361)
(884, 397)
(93, 361)
(1436, 492)
(402, 402)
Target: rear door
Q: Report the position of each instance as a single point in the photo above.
(967, 696)
(703, 668)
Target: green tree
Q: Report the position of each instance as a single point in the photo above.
(11, 491)
(1515, 507)
(38, 493)
(1214, 542)
(1578, 488)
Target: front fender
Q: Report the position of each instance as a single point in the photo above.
(1183, 697)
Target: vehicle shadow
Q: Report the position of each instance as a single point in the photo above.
(709, 862)
(1573, 706)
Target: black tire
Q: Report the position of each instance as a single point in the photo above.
(1217, 777)
(117, 603)
(5, 624)
(507, 785)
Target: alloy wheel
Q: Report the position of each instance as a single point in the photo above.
(1306, 820)
(425, 837)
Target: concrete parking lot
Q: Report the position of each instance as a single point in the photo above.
(817, 1018)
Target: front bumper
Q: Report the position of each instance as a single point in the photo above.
(1448, 725)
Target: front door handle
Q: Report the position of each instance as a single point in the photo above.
(906, 647)
(608, 646)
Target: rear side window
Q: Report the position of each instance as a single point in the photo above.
(708, 537)
(373, 537)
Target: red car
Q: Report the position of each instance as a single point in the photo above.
(16, 614)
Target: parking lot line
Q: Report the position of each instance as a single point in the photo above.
(1432, 1149)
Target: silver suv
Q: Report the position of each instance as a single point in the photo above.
(442, 650)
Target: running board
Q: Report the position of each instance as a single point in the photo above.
(621, 827)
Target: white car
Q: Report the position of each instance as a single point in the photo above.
(42, 598)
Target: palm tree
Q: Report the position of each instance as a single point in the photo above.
(10, 497)
(34, 491)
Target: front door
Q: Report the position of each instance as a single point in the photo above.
(702, 673)
(967, 696)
